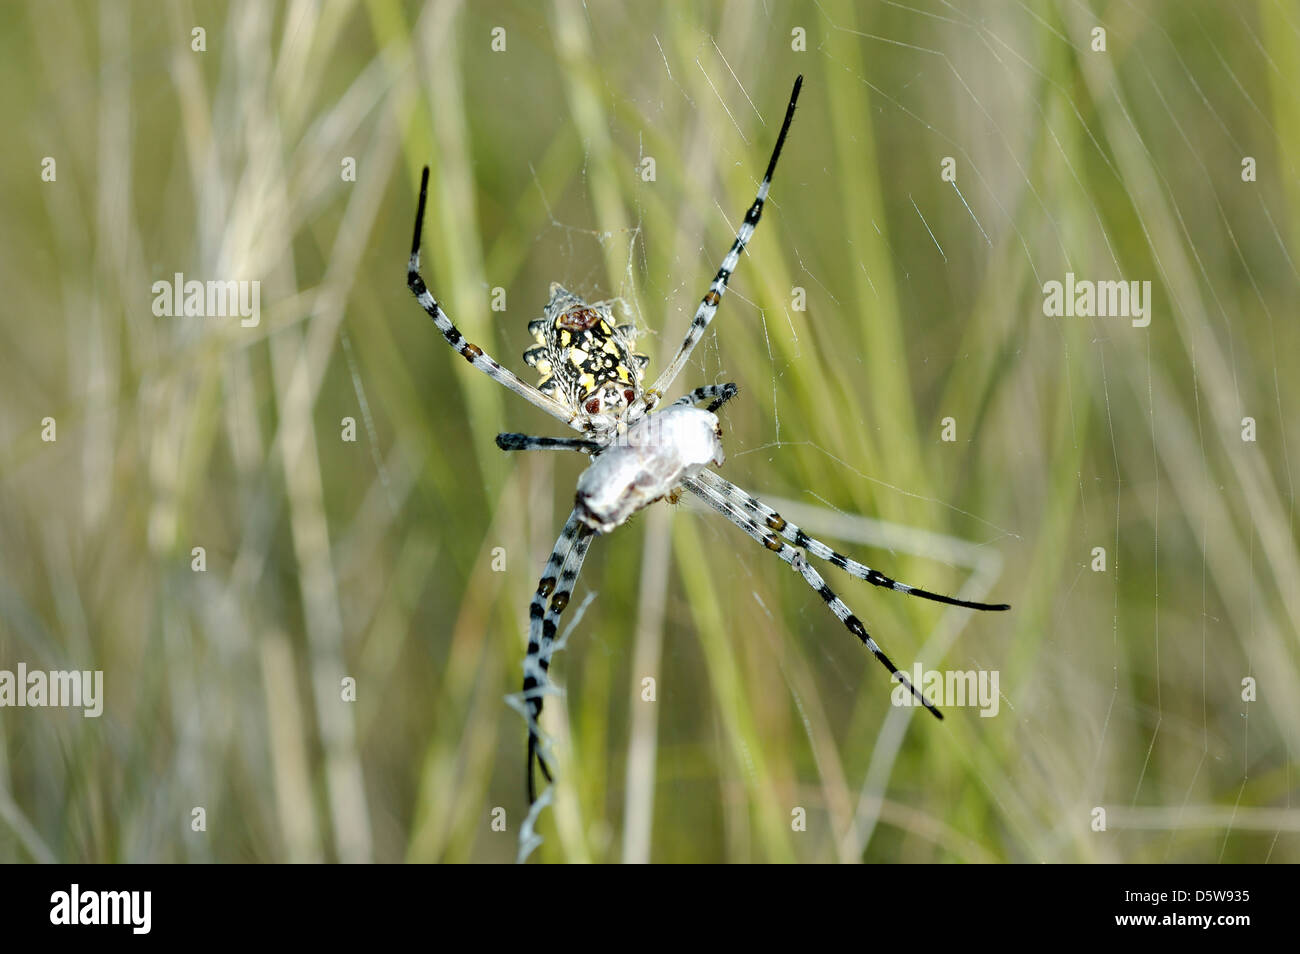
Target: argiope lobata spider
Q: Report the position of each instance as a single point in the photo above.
(591, 380)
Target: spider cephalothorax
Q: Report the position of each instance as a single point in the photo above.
(641, 453)
(585, 359)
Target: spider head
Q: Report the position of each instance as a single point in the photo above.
(586, 359)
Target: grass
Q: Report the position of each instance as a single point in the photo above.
(379, 559)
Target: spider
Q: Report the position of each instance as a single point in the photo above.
(592, 381)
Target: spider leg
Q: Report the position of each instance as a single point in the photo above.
(518, 442)
(799, 563)
(762, 513)
(471, 352)
(709, 305)
(719, 394)
(557, 581)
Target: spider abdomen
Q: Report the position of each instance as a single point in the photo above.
(646, 463)
(585, 359)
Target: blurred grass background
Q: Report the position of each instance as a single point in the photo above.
(373, 559)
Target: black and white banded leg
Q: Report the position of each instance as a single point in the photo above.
(717, 394)
(550, 600)
(522, 442)
(471, 352)
(764, 514)
(736, 514)
(709, 305)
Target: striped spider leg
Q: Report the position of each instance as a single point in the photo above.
(718, 287)
(517, 442)
(759, 511)
(746, 512)
(471, 352)
(716, 394)
(550, 600)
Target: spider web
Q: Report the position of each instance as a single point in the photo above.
(1118, 164)
(1129, 490)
